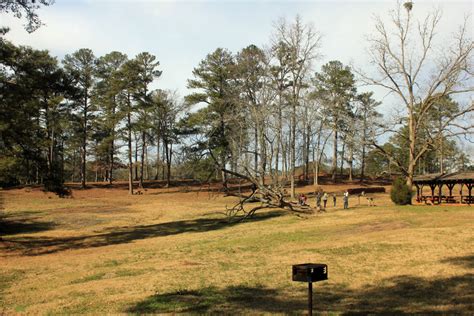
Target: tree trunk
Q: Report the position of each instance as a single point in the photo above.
(84, 145)
(163, 155)
(341, 170)
(284, 154)
(256, 148)
(112, 147)
(223, 154)
(307, 149)
(157, 163)
(263, 151)
(142, 162)
(136, 157)
(130, 160)
(334, 156)
(362, 165)
(73, 165)
(441, 156)
(111, 165)
(412, 141)
(315, 167)
(317, 156)
(223, 174)
(351, 162)
(293, 150)
(169, 153)
(279, 148)
(147, 171)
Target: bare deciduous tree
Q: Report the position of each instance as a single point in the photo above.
(302, 43)
(413, 66)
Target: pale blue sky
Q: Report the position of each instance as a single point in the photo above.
(181, 33)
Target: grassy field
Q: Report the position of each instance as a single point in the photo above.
(167, 251)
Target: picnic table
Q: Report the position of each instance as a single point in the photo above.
(450, 199)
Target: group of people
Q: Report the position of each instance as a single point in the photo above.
(324, 197)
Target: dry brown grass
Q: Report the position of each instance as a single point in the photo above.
(166, 251)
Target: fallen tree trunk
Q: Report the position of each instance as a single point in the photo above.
(269, 196)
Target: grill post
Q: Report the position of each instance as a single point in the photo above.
(309, 273)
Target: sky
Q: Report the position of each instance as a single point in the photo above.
(181, 33)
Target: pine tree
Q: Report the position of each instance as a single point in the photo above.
(81, 67)
(335, 87)
(214, 79)
(106, 98)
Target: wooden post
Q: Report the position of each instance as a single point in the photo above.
(432, 187)
(450, 187)
(439, 192)
(469, 189)
(310, 298)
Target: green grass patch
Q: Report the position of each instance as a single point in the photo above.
(81, 302)
(89, 278)
(356, 249)
(20, 308)
(7, 279)
(110, 263)
(131, 272)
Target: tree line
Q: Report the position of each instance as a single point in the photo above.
(264, 113)
(63, 121)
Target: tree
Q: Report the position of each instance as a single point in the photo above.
(20, 156)
(420, 72)
(279, 72)
(368, 123)
(377, 164)
(401, 193)
(33, 90)
(215, 80)
(165, 111)
(301, 43)
(252, 71)
(106, 97)
(52, 87)
(146, 70)
(26, 7)
(81, 67)
(335, 88)
(128, 81)
(440, 112)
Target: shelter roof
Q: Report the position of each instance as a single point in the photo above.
(459, 177)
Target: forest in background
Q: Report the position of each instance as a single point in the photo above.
(263, 112)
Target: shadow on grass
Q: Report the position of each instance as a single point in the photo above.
(234, 299)
(397, 296)
(411, 294)
(466, 261)
(13, 225)
(120, 235)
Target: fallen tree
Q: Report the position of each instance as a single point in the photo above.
(270, 196)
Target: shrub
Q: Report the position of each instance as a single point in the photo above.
(401, 193)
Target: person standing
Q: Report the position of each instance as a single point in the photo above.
(334, 199)
(325, 199)
(346, 200)
(318, 200)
